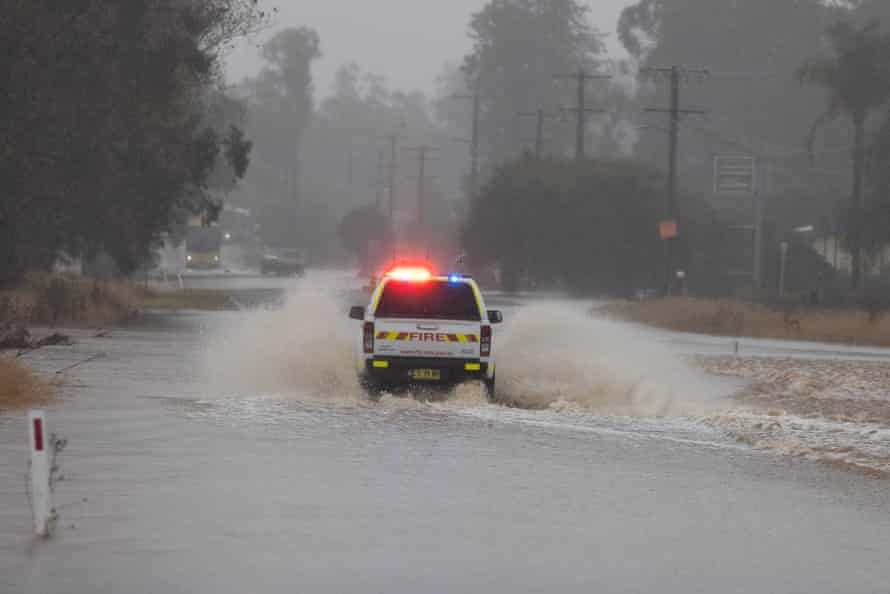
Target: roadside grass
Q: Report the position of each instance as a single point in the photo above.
(20, 387)
(725, 317)
(50, 299)
(53, 299)
(200, 299)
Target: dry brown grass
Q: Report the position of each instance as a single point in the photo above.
(201, 299)
(724, 317)
(68, 299)
(20, 388)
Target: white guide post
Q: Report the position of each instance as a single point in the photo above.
(39, 446)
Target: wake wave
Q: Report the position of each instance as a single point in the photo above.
(553, 356)
(304, 348)
(559, 356)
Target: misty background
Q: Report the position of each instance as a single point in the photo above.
(710, 147)
(375, 34)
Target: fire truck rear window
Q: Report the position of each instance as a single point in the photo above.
(433, 299)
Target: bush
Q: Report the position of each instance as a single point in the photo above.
(591, 227)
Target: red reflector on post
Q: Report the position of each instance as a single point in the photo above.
(485, 343)
(38, 435)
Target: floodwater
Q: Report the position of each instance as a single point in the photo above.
(234, 453)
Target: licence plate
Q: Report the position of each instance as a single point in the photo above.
(428, 375)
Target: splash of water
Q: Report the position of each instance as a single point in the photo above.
(302, 349)
(559, 356)
(553, 356)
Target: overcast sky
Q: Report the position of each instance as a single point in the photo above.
(407, 41)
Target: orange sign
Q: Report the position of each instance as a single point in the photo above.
(668, 229)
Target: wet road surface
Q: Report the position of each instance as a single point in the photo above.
(173, 486)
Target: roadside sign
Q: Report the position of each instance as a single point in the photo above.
(668, 230)
(735, 175)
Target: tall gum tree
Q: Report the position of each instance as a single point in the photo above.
(856, 75)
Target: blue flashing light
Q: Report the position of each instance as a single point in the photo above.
(454, 278)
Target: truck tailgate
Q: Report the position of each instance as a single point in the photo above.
(427, 338)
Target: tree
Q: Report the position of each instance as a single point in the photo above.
(590, 225)
(857, 78)
(518, 47)
(876, 229)
(102, 132)
(753, 50)
(287, 78)
(365, 233)
(280, 112)
(346, 158)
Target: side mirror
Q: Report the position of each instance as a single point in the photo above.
(495, 317)
(357, 313)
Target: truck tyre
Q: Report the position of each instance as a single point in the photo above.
(489, 389)
(372, 388)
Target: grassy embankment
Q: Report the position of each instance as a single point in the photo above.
(20, 387)
(66, 299)
(724, 317)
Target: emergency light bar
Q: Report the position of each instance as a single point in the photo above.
(410, 273)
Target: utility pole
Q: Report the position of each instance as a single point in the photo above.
(761, 192)
(393, 162)
(676, 73)
(422, 156)
(582, 78)
(473, 142)
(539, 116)
(381, 178)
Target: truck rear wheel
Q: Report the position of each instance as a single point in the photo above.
(372, 388)
(489, 389)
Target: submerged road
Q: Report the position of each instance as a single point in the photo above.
(176, 484)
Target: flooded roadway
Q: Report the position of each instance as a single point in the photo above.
(180, 482)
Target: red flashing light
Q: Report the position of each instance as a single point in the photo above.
(410, 273)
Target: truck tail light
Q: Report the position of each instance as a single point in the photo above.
(368, 337)
(485, 343)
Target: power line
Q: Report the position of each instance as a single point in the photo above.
(539, 116)
(422, 156)
(393, 164)
(582, 78)
(473, 142)
(381, 178)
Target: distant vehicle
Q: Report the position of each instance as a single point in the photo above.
(203, 248)
(288, 262)
(425, 330)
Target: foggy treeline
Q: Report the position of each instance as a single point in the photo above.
(782, 81)
(113, 125)
(116, 124)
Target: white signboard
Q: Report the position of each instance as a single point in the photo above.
(735, 176)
